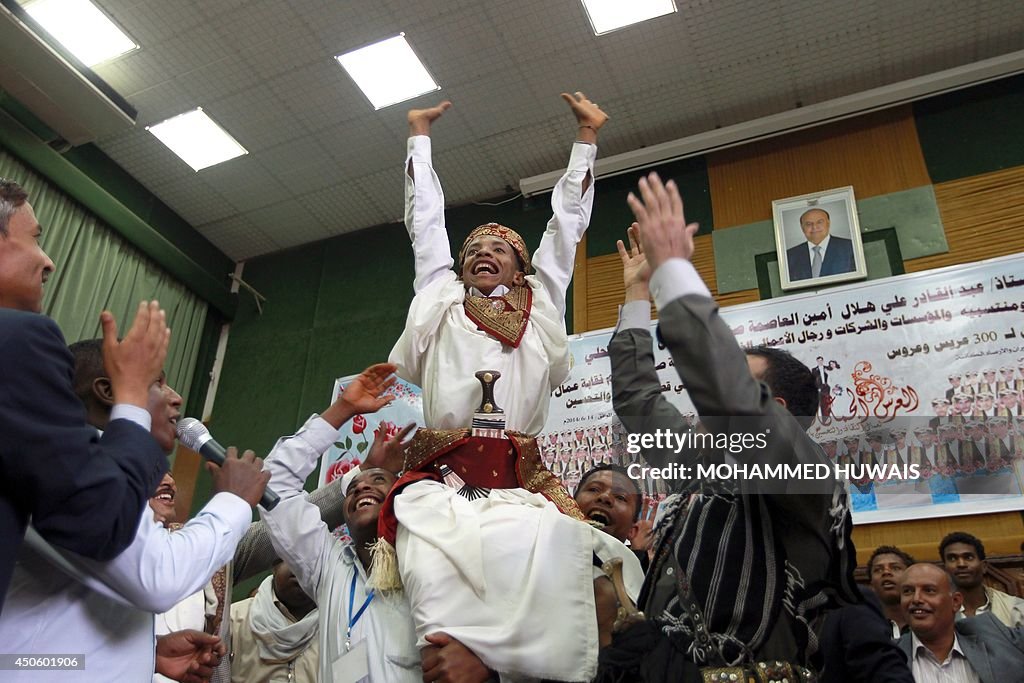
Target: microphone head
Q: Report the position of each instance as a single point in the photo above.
(192, 433)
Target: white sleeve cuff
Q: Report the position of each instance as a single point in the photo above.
(582, 156)
(418, 148)
(675, 278)
(634, 315)
(127, 411)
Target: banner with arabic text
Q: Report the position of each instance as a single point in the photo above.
(924, 369)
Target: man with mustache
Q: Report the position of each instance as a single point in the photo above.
(941, 647)
(822, 254)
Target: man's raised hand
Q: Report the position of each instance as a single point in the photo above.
(421, 119)
(386, 453)
(589, 116)
(660, 224)
(135, 362)
(635, 270)
(366, 393)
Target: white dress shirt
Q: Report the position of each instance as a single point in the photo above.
(927, 668)
(61, 603)
(325, 567)
(441, 349)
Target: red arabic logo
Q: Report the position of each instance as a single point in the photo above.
(875, 395)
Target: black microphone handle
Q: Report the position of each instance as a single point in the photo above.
(214, 452)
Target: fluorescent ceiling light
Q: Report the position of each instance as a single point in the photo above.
(388, 72)
(82, 28)
(608, 15)
(195, 138)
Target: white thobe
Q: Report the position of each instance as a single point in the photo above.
(442, 347)
(494, 571)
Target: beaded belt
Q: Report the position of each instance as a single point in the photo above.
(761, 672)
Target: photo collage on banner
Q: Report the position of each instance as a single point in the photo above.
(916, 370)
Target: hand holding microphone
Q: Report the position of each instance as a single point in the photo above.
(242, 476)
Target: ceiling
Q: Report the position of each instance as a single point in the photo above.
(322, 162)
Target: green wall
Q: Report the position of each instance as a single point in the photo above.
(973, 131)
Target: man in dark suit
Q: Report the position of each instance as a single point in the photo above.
(820, 373)
(822, 254)
(742, 606)
(83, 493)
(939, 644)
(856, 646)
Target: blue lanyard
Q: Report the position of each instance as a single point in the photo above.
(351, 599)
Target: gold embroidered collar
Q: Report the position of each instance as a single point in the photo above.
(503, 317)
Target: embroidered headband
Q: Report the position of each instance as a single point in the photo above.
(501, 232)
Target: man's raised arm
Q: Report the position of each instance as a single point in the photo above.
(636, 389)
(424, 200)
(299, 534)
(571, 203)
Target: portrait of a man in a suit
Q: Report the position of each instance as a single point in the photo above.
(818, 239)
(823, 253)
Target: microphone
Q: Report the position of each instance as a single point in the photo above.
(193, 434)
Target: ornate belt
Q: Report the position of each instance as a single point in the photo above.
(759, 672)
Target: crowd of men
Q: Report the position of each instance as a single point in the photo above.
(466, 559)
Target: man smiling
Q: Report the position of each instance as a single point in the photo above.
(823, 253)
(82, 494)
(362, 634)
(941, 648)
(104, 610)
(499, 311)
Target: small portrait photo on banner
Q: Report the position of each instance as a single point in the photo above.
(817, 237)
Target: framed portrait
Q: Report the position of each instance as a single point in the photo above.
(817, 238)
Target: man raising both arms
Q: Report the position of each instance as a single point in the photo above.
(489, 553)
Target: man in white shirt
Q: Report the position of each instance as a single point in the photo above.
(943, 649)
(61, 603)
(524, 536)
(365, 635)
(963, 556)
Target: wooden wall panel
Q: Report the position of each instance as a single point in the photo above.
(1001, 533)
(878, 153)
(185, 472)
(983, 217)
